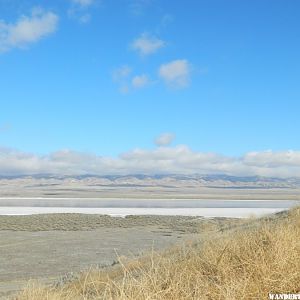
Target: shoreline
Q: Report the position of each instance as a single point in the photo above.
(121, 207)
(123, 212)
(140, 198)
(108, 198)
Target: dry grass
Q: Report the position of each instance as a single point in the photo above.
(242, 263)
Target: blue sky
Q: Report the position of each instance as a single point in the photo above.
(107, 77)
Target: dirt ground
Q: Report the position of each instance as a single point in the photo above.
(47, 247)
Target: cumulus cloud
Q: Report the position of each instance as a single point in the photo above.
(162, 160)
(270, 159)
(140, 81)
(146, 44)
(164, 139)
(176, 73)
(27, 30)
(122, 76)
(79, 10)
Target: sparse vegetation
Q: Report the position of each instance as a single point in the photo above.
(244, 262)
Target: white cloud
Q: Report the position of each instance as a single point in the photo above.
(146, 44)
(164, 139)
(79, 10)
(270, 159)
(140, 81)
(166, 20)
(85, 18)
(121, 77)
(179, 159)
(27, 30)
(138, 7)
(83, 3)
(121, 72)
(176, 74)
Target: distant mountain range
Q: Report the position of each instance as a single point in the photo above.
(154, 186)
(172, 179)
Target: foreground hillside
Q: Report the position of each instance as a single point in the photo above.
(245, 262)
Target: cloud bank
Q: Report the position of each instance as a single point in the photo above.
(162, 160)
(27, 30)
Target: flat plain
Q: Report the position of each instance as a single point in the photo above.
(50, 247)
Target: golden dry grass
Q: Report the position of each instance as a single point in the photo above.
(243, 263)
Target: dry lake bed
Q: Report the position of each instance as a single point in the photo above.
(123, 207)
